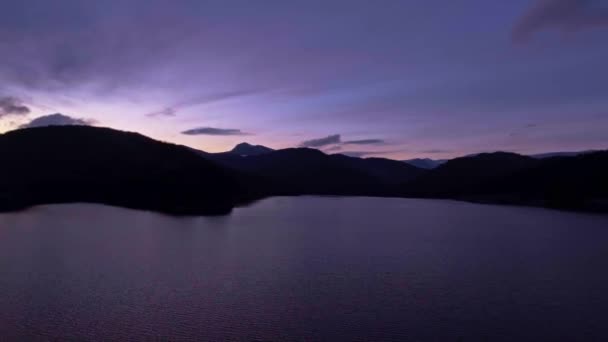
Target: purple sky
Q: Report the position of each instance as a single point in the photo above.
(402, 79)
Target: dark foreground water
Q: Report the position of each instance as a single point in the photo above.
(305, 269)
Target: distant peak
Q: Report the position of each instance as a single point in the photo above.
(426, 163)
(247, 149)
(243, 144)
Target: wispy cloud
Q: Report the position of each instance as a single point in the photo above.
(214, 131)
(518, 132)
(204, 100)
(328, 140)
(357, 154)
(12, 106)
(334, 148)
(435, 151)
(361, 154)
(565, 15)
(57, 119)
(169, 111)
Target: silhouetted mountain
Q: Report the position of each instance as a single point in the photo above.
(310, 171)
(384, 171)
(426, 163)
(559, 154)
(89, 164)
(578, 182)
(429, 164)
(196, 151)
(245, 149)
(468, 175)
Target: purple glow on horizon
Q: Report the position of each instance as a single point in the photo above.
(422, 78)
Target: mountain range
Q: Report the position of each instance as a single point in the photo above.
(427, 163)
(61, 164)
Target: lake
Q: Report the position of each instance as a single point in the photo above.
(305, 269)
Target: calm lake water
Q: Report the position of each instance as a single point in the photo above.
(305, 269)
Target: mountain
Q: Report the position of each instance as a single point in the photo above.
(468, 175)
(429, 164)
(245, 149)
(425, 163)
(560, 154)
(577, 182)
(60, 164)
(308, 171)
(63, 164)
(382, 170)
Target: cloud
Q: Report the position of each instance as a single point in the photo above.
(364, 142)
(565, 15)
(435, 151)
(169, 111)
(333, 148)
(204, 100)
(12, 106)
(214, 131)
(57, 119)
(524, 130)
(329, 140)
(357, 154)
(336, 140)
(361, 154)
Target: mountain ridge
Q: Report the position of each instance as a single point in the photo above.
(62, 164)
(246, 149)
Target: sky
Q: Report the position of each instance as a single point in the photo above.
(394, 78)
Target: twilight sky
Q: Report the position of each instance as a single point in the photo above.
(392, 78)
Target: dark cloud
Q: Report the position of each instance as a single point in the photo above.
(565, 15)
(214, 131)
(329, 140)
(336, 140)
(364, 142)
(204, 100)
(57, 119)
(12, 106)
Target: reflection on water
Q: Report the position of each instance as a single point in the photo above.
(305, 268)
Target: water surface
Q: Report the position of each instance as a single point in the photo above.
(305, 269)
